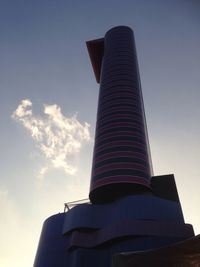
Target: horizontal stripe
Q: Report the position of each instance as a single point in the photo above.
(120, 52)
(118, 89)
(122, 68)
(135, 126)
(135, 101)
(118, 139)
(118, 143)
(120, 94)
(116, 134)
(114, 98)
(112, 61)
(122, 137)
(103, 124)
(119, 58)
(117, 116)
(115, 64)
(132, 93)
(120, 110)
(119, 172)
(119, 159)
(123, 106)
(122, 114)
(125, 75)
(131, 105)
(117, 149)
(131, 110)
(119, 78)
(135, 120)
(113, 155)
(137, 134)
(116, 101)
(121, 83)
(118, 165)
(116, 129)
(120, 73)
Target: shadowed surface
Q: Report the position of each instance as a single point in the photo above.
(183, 254)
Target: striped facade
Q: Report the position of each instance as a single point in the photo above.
(121, 155)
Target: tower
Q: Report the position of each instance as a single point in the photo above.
(121, 162)
(130, 210)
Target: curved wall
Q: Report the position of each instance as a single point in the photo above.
(86, 247)
(148, 208)
(121, 160)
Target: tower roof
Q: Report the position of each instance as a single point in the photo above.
(96, 50)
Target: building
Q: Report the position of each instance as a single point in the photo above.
(130, 210)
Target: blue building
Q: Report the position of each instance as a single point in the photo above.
(129, 208)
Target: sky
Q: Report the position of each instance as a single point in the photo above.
(48, 103)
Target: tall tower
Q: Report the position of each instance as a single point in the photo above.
(121, 163)
(129, 209)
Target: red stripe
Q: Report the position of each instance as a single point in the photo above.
(119, 165)
(113, 109)
(115, 90)
(116, 116)
(117, 144)
(118, 124)
(134, 104)
(120, 101)
(106, 134)
(120, 94)
(114, 155)
(118, 133)
(122, 139)
(110, 117)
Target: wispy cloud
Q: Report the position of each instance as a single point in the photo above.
(58, 137)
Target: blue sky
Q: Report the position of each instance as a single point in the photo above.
(43, 59)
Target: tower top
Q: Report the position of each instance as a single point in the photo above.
(96, 50)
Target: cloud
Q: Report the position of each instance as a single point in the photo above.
(58, 137)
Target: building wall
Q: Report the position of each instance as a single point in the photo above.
(89, 235)
(121, 150)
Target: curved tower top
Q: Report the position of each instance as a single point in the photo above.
(121, 160)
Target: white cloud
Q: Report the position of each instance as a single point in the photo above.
(58, 137)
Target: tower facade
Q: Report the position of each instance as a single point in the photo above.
(129, 209)
(121, 162)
